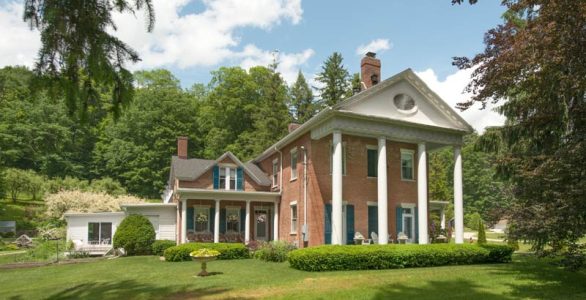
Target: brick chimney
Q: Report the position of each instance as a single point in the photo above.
(370, 70)
(182, 147)
(293, 126)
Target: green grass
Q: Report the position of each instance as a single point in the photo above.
(16, 211)
(148, 278)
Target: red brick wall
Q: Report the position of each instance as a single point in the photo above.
(358, 189)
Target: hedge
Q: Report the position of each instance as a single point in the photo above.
(159, 246)
(227, 251)
(358, 257)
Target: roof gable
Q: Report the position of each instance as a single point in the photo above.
(429, 108)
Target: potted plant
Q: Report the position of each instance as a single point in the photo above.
(204, 256)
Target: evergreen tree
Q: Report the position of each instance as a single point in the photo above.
(334, 78)
(302, 105)
(79, 53)
(355, 85)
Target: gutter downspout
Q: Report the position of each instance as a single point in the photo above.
(280, 171)
(305, 235)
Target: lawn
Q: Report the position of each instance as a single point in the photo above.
(148, 278)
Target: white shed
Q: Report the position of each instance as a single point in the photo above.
(163, 216)
(93, 232)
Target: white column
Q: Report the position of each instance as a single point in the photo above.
(217, 222)
(458, 201)
(442, 218)
(422, 193)
(227, 185)
(276, 221)
(183, 221)
(247, 223)
(383, 213)
(337, 234)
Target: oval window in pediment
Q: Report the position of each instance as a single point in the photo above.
(404, 103)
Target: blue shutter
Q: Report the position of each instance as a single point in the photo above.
(416, 226)
(212, 218)
(222, 220)
(350, 224)
(399, 220)
(328, 223)
(239, 179)
(216, 177)
(372, 221)
(190, 218)
(242, 219)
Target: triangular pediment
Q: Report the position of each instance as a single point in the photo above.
(405, 97)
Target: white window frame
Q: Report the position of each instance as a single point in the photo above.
(195, 210)
(294, 212)
(100, 231)
(233, 208)
(411, 206)
(344, 167)
(412, 154)
(275, 172)
(227, 169)
(294, 171)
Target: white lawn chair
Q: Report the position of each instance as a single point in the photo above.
(374, 237)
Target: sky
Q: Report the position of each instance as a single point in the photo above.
(194, 37)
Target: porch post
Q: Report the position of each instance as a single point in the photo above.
(276, 221)
(422, 193)
(458, 201)
(443, 218)
(383, 213)
(337, 234)
(247, 223)
(217, 222)
(183, 221)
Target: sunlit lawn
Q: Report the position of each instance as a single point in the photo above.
(148, 278)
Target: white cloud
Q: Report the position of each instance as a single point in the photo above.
(18, 44)
(451, 90)
(204, 38)
(288, 66)
(378, 45)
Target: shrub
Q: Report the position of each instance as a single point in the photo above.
(159, 246)
(331, 258)
(471, 220)
(481, 233)
(135, 235)
(227, 251)
(276, 251)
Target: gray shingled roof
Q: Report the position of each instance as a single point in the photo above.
(192, 168)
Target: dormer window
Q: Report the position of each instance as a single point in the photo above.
(228, 178)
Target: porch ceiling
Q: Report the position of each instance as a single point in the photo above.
(204, 194)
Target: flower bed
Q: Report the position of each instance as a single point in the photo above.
(333, 258)
(227, 251)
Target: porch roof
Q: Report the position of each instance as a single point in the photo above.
(206, 194)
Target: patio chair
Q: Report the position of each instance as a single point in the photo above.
(374, 237)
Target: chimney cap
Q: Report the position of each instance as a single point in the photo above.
(371, 54)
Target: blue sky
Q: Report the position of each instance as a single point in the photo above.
(194, 37)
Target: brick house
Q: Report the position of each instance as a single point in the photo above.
(359, 166)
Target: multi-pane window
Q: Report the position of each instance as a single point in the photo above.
(233, 219)
(225, 174)
(232, 179)
(275, 172)
(407, 165)
(100, 233)
(343, 158)
(201, 219)
(294, 164)
(372, 162)
(222, 178)
(293, 218)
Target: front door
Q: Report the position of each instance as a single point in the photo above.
(409, 224)
(261, 221)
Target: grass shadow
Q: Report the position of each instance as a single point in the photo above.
(130, 289)
(441, 289)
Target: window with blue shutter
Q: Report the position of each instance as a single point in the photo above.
(222, 220)
(416, 226)
(372, 221)
(240, 179)
(399, 220)
(242, 219)
(189, 218)
(216, 177)
(328, 223)
(349, 224)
